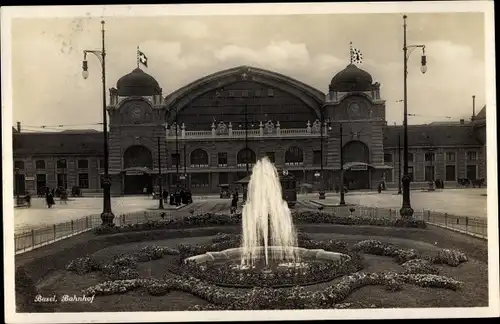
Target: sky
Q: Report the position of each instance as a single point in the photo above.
(48, 88)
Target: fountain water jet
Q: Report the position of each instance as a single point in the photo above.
(269, 255)
(266, 219)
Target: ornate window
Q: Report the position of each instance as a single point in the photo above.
(222, 159)
(40, 164)
(137, 156)
(61, 164)
(294, 156)
(19, 165)
(356, 151)
(245, 156)
(199, 159)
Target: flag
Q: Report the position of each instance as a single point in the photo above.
(142, 58)
(356, 56)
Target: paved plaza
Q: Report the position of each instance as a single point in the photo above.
(39, 215)
(466, 202)
(460, 202)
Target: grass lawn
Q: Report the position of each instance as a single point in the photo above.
(473, 273)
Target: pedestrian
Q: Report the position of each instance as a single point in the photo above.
(64, 196)
(27, 199)
(234, 202)
(177, 197)
(172, 199)
(164, 195)
(49, 198)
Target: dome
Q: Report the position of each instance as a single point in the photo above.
(137, 83)
(351, 78)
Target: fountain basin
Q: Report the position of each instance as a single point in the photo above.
(224, 268)
(235, 254)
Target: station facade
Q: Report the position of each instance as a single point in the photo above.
(211, 131)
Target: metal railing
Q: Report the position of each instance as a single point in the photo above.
(477, 227)
(37, 237)
(34, 238)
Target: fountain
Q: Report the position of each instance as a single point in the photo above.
(266, 219)
(269, 246)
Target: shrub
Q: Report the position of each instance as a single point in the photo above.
(83, 265)
(117, 272)
(157, 288)
(450, 257)
(210, 219)
(125, 260)
(419, 266)
(270, 298)
(380, 248)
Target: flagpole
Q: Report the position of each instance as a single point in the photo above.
(137, 56)
(350, 51)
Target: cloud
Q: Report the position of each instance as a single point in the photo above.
(49, 89)
(194, 29)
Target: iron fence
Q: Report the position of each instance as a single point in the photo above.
(37, 237)
(477, 227)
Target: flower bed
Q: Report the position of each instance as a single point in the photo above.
(204, 284)
(270, 298)
(444, 256)
(316, 272)
(419, 266)
(210, 219)
(122, 267)
(83, 265)
(450, 257)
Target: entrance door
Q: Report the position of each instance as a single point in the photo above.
(41, 183)
(357, 180)
(471, 172)
(20, 185)
(135, 184)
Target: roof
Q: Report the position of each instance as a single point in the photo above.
(137, 83)
(432, 135)
(351, 78)
(481, 114)
(54, 143)
(180, 98)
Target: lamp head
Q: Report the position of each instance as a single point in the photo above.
(423, 67)
(85, 72)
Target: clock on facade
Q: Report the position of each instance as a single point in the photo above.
(136, 113)
(355, 109)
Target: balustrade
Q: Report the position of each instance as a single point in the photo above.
(266, 130)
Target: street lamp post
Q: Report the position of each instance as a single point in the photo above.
(185, 166)
(177, 155)
(406, 211)
(247, 153)
(160, 178)
(16, 170)
(322, 179)
(342, 193)
(399, 164)
(107, 215)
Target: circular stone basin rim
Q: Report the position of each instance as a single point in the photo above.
(235, 254)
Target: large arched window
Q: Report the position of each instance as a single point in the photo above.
(137, 156)
(245, 156)
(199, 158)
(294, 156)
(356, 151)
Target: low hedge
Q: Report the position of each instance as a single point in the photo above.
(305, 217)
(270, 298)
